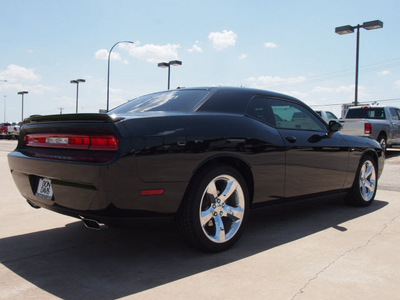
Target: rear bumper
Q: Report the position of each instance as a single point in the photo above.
(93, 190)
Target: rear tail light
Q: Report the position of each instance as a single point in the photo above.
(68, 141)
(368, 128)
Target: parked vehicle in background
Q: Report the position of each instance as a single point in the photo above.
(9, 131)
(13, 131)
(326, 115)
(4, 130)
(381, 123)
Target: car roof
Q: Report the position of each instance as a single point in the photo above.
(235, 99)
(254, 91)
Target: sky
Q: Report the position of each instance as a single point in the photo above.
(284, 46)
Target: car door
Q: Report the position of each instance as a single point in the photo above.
(267, 152)
(315, 163)
(395, 124)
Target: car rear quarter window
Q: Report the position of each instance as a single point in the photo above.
(169, 101)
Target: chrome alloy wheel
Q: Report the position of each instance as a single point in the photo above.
(367, 180)
(222, 208)
(382, 142)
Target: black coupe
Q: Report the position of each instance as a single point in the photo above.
(205, 155)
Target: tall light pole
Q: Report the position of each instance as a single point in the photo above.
(108, 72)
(350, 29)
(22, 93)
(168, 65)
(77, 90)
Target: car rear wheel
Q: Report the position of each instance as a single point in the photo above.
(215, 209)
(365, 184)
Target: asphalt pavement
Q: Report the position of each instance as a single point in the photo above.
(309, 250)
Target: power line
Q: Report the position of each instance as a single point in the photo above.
(335, 104)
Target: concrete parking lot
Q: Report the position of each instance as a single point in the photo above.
(314, 250)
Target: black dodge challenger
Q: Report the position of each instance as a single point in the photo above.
(205, 155)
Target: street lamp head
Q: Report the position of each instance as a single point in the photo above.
(22, 92)
(175, 63)
(77, 81)
(344, 29)
(163, 65)
(373, 25)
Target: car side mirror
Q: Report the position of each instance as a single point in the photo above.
(334, 126)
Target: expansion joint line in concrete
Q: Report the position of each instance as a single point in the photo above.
(385, 226)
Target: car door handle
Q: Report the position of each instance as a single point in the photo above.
(291, 139)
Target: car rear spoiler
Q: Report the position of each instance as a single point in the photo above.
(86, 118)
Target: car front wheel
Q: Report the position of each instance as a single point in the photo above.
(215, 209)
(365, 184)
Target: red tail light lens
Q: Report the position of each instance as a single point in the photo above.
(368, 128)
(68, 141)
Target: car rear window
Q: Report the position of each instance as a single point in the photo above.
(366, 113)
(171, 101)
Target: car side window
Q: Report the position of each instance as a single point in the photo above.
(330, 115)
(395, 113)
(289, 115)
(260, 109)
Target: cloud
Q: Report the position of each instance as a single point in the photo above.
(65, 101)
(397, 83)
(345, 91)
(270, 45)
(274, 80)
(195, 48)
(384, 72)
(15, 73)
(40, 89)
(152, 53)
(296, 94)
(339, 89)
(242, 56)
(103, 54)
(222, 40)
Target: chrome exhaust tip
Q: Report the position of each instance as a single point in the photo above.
(93, 224)
(33, 205)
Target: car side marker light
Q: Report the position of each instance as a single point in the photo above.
(152, 192)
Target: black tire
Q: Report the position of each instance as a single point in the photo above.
(382, 140)
(365, 183)
(208, 219)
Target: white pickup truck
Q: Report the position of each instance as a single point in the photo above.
(381, 123)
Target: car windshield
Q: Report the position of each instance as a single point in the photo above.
(366, 113)
(171, 101)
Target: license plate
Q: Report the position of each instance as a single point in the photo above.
(44, 189)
